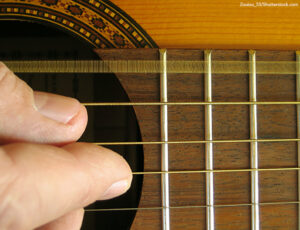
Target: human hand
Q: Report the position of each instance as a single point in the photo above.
(45, 178)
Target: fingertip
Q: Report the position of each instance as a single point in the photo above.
(81, 116)
(67, 116)
(56, 107)
(60, 134)
(116, 189)
(75, 127)
(110, 170)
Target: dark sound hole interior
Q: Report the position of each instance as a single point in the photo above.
(29, 41)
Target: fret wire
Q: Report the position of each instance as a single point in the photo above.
(196, 142)
(190, 206)
(210, 216)
(190, 103)
(216, 171)
(298, 125)
(253, 145)
(164, 137)
(147, 66)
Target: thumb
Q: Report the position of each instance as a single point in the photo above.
(40, 183)
(26, 115)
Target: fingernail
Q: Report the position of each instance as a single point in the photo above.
(56, 107)
(116, 189)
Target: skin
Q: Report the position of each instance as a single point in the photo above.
(46, 178)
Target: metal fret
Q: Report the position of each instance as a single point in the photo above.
(298, 125)
(253, 145)
(164, 137)
(209, 163)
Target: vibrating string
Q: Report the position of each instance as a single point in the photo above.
(149, 66)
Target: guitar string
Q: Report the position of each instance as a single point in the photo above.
(190, 103)
(198, 141)
(148, 66)
(140, 66)
(216, 171)
(190, 206)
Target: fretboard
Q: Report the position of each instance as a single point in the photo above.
(242, 172)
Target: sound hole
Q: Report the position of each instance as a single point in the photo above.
(29, 41)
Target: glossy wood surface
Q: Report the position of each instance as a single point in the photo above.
(217, 24)
(229, 122)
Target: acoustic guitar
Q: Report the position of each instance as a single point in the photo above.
(201, 97)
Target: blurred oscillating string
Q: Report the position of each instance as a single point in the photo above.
(148, 66)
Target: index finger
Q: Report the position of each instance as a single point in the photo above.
(39, 183)
(37, 116)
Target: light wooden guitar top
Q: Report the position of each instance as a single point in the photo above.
(217, 24)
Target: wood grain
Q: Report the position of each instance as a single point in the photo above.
(216, 24)
(229, 122)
